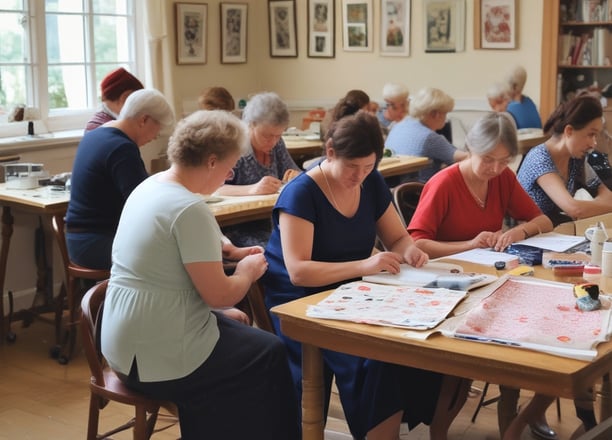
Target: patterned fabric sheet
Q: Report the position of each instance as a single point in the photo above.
(536, 315)
(396, 306)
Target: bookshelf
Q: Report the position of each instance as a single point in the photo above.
(576, 51)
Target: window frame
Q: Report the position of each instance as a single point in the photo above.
(52, 121)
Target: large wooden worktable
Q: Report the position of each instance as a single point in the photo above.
(520, 368)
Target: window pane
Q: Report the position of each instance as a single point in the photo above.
(67, 87)
(12, 36)
(13, 5)
(110, 37)
(65, 39)
(110, 6)
(64, 5)
(12, 88)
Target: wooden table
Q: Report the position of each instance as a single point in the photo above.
(400, 165)
(529, 140)
(302, 149)
(39, 201)
(231, 210)
(515, 367)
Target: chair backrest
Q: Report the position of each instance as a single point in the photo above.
(261, 316)
(91, 319)
(406, 197)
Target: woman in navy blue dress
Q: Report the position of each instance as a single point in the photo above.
(325, 224)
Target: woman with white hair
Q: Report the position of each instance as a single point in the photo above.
(395, 107)
(416, 135)
(521, 107)
(264, 166)
(107, 167)
(498, 96)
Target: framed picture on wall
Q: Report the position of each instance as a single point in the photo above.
(444, 25)
(191, 30)
(233, 32)
(283, 35)
(495, 24)
(357, 21)
(395, 28)
(321, 28)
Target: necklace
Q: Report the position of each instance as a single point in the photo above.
(478, 200)
(331, 193)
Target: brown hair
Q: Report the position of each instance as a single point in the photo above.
(216, 98)
(357, 135)
(577, 112)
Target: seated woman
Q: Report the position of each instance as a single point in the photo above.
(106, 168)
(325, 224)
(416, 135)
(498, 96)
(228, 380)
(216, 98)
(395, 108)
(349, 104)
(463, 207)
(264, 167)
(552, 172)
(521, 107)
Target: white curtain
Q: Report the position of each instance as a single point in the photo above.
(157, 32)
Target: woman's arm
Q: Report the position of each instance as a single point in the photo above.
(297, 242)
(219, 290)
(395, 237)
(554, 187)
(266, 185)
(523, 231)
(436, 249)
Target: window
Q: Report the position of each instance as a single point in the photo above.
(54, 53)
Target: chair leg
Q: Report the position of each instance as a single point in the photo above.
(481, 401)
(140, 424)
(71, 327)
(94, 417)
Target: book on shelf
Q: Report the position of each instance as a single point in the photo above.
(594, 10)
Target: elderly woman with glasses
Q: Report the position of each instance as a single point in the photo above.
(463, 207)
(264, 167)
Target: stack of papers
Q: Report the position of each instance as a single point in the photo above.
(407, 307)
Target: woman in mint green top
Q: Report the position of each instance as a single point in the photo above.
(160, 330)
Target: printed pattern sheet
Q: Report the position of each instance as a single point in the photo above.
(539, 316)
(397, 306)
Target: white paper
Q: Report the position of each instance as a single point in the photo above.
(486, 257)
(553, 241)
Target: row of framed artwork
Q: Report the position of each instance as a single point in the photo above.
(495, 24)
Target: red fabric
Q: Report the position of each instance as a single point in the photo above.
(448, 212)
(117, 82)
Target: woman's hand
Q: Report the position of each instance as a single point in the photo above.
(236, 315)
(252, 266)
(234, 253)
(485, 239)
(381, 261)
(415, 256)
(509, 237)
(290, 174)
(267, 185)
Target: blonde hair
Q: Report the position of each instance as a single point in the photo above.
(392, 91)
(516, 79)
(428, 100)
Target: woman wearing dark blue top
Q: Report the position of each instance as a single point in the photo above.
(325, 224)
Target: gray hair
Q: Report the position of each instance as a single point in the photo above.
(428, 100)
(266, 108)
(499, 90)
(517, 78)
(489, 131)
(148, 102)
(204, 133)
(392, 91)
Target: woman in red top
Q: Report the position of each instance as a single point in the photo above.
(463, 207)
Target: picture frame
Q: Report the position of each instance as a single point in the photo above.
(234, 25)
(395, 27)
(495, 24)
(191, 32)
(444, 25)
(282, 24)
(357, 25)
(321, 28)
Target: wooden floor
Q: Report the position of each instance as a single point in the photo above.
(40, 399)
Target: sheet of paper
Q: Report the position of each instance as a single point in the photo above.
(486, 257)
(553, 241)
(395, 306)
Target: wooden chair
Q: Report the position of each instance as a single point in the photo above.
(72, 274)
(104, 385)
(406, 197)
(261, 316)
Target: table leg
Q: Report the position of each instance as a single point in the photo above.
(313, 425)
(7, 232)
(605, 396)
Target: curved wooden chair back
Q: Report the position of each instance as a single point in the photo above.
(104, 385)
(406, 197)
(72, 274)
(261, 316)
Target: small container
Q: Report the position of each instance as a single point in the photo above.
(592, 273)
